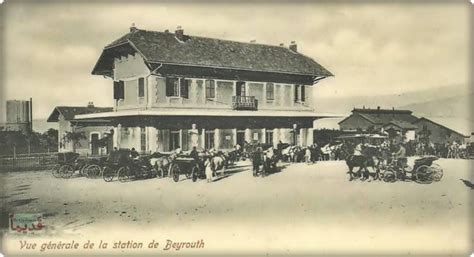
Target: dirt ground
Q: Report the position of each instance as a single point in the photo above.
(301, 209)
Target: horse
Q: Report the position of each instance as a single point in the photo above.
(161, 163)
(217, 163)
(270, 160)
(370, 158)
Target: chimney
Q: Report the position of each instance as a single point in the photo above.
(179, 33)
(293, 47)
(133, 28)
(281, 44)
(167, 31)
(90, 105)
(378, 108)
(253, 41)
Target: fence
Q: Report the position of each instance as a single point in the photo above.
(34, 161)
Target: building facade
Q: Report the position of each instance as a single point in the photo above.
(171, 90)
(439, 133)
(92, 131)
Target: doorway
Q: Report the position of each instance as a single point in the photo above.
(95, 143)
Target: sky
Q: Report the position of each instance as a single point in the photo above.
(49, 49)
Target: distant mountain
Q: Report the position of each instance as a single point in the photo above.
(443, 101)
(457, 106)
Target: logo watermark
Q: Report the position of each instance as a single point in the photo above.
(26, 222)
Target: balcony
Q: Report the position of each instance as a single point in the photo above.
(244, 103)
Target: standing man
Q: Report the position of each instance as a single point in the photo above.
(256, 160)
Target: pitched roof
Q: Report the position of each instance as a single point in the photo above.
(68, 112)
(383, 116)
(464, 127)
(401, 124)
(164, 47)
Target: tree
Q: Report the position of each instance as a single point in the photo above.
(75, 137)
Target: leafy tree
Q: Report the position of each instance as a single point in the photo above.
(75, 137)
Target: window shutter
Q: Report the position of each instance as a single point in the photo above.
(116, 90)
(122, 90)
(296, 92)
(141, 87)
(184, 86)
(169, 86)
(303, 93)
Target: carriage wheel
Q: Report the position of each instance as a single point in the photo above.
(83, 170)
(423, 175)
(93, 171)
(175, 170)
(389, 176)
(55, 171)
(123, 174)
(437, 172)
(194, 173)
(66, 171)
(108, 174)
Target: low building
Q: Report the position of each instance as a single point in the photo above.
(92, 131)
(441, 130)
(367, 120)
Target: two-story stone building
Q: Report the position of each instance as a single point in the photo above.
(172, 89)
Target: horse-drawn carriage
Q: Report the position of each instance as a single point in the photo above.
(70, 163)
(424, 171)
(188, 166)
(120, 164)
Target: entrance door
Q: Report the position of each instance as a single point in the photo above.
(174, 140)
(95, 144)
(241, 138)
(240, 89)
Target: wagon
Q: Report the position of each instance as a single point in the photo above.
(184, 165)
(119, 164)
(424, 171)
(68, 164)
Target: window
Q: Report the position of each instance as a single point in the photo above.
(177, 87)
(300, 93)
(143, 139)
(297, 89)
(172, 87)
(270, 91)
(269, 136)
(141, 87)
(303, 94)
(240, 88)
(119, 89)
(209, 139)
(210, 89)
(184, 88)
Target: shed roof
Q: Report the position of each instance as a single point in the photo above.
(164, 47)
(462, 126)
(68, 112)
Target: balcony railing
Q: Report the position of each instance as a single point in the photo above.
(244, 103)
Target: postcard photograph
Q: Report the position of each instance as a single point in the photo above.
(244, 128)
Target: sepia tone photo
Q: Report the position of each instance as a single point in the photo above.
(211, 128)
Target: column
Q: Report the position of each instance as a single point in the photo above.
(234, 135)
(310, 138)
(248, 135)
(217, 138)
(264, 136)
(302, 137)
(119, 136)
(152, 138)
(203, 139)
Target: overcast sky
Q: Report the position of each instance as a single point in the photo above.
(50, 49)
